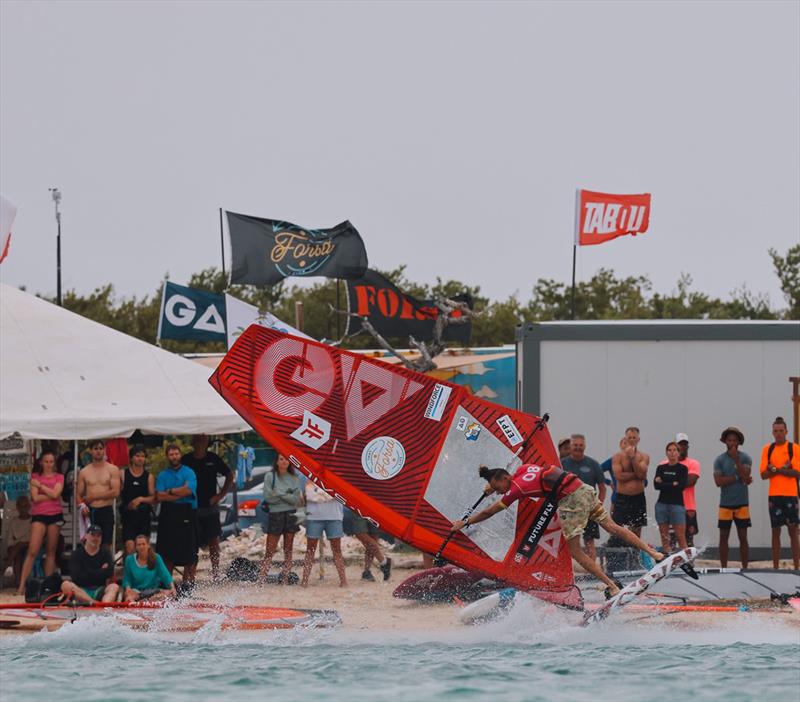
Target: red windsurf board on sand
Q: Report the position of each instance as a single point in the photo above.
(402, 449)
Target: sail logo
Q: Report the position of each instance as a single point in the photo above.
(383, 458)
(437, 402)
(314, 431)
(473, 431)
(510, 430)
(298, 253)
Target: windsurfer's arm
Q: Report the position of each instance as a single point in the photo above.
(481, 516)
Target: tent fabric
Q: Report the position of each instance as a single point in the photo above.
(63, 376)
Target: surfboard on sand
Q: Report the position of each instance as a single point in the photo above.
(168, 616)
(402, 449)
(637, 587)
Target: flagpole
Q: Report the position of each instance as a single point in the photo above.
(338, 336)
(572, 306)
(222, 242)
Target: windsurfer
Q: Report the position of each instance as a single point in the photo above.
(576, 503)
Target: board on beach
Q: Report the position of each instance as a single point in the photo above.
(170, 616)
(402, 449)
(445, 584)
(628, 593)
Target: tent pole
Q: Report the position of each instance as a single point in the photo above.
(75, 495)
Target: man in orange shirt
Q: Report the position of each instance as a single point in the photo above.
(780, 464)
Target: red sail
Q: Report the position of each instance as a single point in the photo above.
(402, 449)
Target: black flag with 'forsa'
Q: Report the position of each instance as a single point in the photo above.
(395, 314)
(265, 251)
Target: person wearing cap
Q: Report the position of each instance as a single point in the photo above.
(732, 476)
(564, 448)
(137, 496)
(780, 464)
(689, 499)
(91, 569)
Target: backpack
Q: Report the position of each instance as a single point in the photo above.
(41, 589)
(772, 448)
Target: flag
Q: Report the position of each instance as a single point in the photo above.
(395, 314)
(601, 217)
(265, 251)
(240, 315)
(190, 314)
(8, 211)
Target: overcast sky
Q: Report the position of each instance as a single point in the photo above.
(453, 135)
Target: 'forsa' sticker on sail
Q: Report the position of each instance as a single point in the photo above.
(383, 458)
(510, 430)
(437, 403)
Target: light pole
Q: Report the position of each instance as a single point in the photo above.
(56, 195)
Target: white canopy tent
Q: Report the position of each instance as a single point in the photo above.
(63, 376)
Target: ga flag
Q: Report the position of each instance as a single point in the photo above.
(8, 210)
(265, 251)
(395, 314)
(192, 314)
(601, 217)
(240, 315)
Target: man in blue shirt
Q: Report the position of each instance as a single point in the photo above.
(176, 490)
(732, 474)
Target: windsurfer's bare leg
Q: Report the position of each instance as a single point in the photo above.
(271, 546)
(589, 565)
(288, 543)
(311, 549)
(626, 535)
(338, 561)
(589, 548)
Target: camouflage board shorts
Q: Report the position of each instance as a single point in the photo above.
(577, 509)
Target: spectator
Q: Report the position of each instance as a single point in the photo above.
(780, 464)
(46, 516)
(323, 514)
(689, 501)
(137, 496)
(611, 480)
(590, 472)
(91, 569)
(630, 466)
(670, 481)
(176, 491)
(283, 497)
(367, 533)
(207, 465)
(732, 476)
(98, 488)
(145, 576)
(19, 537)
(563, 448)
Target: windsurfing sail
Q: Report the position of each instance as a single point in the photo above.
(402, 449)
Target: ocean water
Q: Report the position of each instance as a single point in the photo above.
(523, 657)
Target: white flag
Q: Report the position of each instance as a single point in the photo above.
(240, 315)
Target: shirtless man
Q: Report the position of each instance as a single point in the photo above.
(630, 465)
(98, 488)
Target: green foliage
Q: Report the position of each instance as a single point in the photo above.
(787, 268)
(603, 296)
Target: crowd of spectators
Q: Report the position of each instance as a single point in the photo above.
(675, 478)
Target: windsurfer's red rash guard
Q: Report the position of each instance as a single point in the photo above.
(527, 482)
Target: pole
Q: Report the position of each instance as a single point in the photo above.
(572, 305)
(298, 315)
(222, 242)
(75, 469)
(795, 381)
(55, 193)
(338, 306)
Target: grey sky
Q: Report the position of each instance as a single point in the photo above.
(453, 135)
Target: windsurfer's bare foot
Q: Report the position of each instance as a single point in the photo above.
(657, 556)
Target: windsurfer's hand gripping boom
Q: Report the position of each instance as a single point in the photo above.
(484, 514)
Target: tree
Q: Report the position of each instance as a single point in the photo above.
(787, 268)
